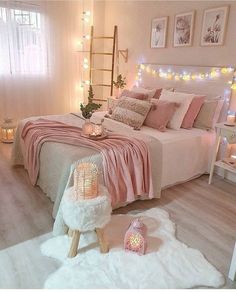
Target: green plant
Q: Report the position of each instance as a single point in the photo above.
(88, 109)
(120, 82)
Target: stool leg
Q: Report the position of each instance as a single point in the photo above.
(70, 232)
(104, 248)
(74, 244)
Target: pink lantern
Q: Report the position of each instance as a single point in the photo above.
(135, 237)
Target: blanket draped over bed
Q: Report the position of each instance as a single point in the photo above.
(58, 160)
(126, 161)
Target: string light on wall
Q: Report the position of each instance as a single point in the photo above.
(85, 63)
(83, 47)
(185, 76)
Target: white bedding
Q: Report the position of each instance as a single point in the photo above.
(186, 153)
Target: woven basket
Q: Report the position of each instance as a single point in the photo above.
(86, 181)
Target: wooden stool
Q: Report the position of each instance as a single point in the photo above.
(86, 215)
(75, 234)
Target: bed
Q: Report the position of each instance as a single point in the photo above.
(177, 156)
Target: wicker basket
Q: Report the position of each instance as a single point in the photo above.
(86, 181)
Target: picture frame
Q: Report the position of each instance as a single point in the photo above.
(183, 29)
(159, 32)
(214, 26)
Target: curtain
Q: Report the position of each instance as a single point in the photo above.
(44, 66)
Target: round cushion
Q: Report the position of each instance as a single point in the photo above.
(86, 215)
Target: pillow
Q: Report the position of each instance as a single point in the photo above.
(184, 99)
(209, 114)
(159, 90)
(160, 114)
(134, 94)
(193, 111)
(149, 92)
(131, 111)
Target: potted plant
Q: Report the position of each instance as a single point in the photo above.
(87, 112)
(119, 83)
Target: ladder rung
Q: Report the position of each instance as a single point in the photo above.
(110, 54)
(96, 69)
(101, 37)
(98, 99)
(83, 51)
(100, 84)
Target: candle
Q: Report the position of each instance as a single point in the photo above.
(230, 119)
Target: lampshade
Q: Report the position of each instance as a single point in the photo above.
(85, 181)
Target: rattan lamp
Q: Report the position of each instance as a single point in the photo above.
(85, 181)
(8, 129)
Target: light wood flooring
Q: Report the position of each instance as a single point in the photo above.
(205, 218)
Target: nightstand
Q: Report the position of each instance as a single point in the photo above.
(222, 131)
(112, 102)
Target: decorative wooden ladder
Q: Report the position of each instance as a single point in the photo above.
(112, 54)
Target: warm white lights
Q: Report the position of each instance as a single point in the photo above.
(186, 76)
(85, 63)
(86, 16)
(87, 37)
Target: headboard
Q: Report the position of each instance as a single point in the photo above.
(210, 81)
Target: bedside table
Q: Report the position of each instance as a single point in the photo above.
(222, 131)
(112, 102)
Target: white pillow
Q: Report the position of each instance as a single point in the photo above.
(149, 92)
(184, 99)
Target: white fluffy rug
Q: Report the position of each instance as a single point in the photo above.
(168, 263)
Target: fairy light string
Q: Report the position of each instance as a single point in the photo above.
(169, 74)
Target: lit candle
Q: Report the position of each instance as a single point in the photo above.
(230, 119)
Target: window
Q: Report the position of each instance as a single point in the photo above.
(22, 42)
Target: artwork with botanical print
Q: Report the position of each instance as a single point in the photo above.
(214, 26)
(158, 33)
(183, 30)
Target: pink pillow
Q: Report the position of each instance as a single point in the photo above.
(157, 93)
(132, 94)
(160, 114)
(193, 111)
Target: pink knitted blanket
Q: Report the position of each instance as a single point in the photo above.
(126, 161)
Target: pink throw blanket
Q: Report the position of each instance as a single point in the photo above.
(126, 161)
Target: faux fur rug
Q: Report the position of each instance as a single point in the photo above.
(168, 262)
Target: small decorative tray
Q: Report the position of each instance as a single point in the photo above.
(100, 137)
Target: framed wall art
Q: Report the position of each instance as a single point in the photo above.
(158, 32)
(214, 26)
(183, 29)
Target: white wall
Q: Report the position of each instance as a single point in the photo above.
(134, 24)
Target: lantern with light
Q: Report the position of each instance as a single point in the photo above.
(135, 237)
(8, 129)
(85, 181)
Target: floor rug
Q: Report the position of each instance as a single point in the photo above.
(168, 263)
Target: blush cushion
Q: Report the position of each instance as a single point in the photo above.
(160, 114)
(184, 99)
(133, 94)
(193, 111)
(149, 92)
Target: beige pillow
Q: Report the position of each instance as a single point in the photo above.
(131, 111)
(209, 114)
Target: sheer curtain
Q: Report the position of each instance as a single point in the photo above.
(39, 66)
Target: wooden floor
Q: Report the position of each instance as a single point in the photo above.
(205, 218)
